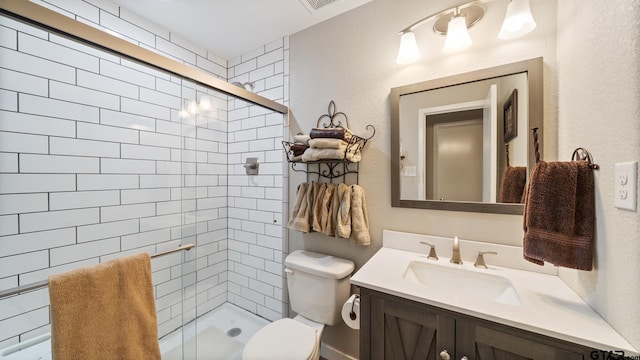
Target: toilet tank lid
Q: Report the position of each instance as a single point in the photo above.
(319, 264)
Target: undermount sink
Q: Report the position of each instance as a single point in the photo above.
(462, 282)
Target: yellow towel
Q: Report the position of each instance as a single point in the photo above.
(106, 311)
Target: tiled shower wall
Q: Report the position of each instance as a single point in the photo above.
(256, 203)
(96, 162)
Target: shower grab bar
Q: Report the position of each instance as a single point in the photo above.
(45, 283)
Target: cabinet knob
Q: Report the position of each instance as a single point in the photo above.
(444, 355)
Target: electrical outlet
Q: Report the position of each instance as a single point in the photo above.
(626, 175)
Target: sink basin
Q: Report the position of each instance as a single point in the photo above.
(461, 282)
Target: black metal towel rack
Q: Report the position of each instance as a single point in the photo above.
(332, 168)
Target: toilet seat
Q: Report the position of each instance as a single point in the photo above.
(284, 339)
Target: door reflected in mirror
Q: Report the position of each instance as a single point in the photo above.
(448, 139)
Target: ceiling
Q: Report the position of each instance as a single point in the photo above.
(229, 28)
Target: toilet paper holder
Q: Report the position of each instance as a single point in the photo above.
(353, 314)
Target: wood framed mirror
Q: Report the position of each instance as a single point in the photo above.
(448, 149)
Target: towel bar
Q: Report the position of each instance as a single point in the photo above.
(45, 283)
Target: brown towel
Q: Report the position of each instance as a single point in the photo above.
(298, 149)
(512, 184)
(298, 220)
(106, 311)
(559, 215)
(359, 218)
(335, 133)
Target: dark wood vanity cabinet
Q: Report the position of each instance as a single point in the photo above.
(396, 328)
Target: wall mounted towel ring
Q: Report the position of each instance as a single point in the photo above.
(583, 154)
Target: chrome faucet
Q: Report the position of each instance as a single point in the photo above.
(455, 257)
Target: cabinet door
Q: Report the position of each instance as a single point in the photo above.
(478, 342)
(402, 330)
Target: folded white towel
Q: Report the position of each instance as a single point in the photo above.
(331, 154)
(301, 139)
(327, 143)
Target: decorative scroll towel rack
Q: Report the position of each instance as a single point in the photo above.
(332, 168)
(45, 283)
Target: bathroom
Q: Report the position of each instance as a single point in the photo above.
(591, 91)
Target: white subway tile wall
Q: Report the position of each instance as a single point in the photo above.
(255, 209)
(97, 162)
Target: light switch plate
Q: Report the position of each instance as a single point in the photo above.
(626, 185)
(409, 171)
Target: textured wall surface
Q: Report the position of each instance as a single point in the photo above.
(599, 88)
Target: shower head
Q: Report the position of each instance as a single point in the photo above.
(244, 85)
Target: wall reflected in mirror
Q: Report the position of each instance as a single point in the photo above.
(452, 141)
(463, 143)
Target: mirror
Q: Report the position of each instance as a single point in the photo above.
(464, 142)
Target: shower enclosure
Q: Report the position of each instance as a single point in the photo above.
(106, 153)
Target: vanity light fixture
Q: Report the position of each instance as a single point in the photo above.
(455, 21)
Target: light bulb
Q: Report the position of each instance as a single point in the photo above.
(518, 21)
(457, 35)
(408, 52)
(205, 104)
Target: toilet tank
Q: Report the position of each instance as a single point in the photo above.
(318, 285)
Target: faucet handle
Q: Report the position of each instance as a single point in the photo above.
(432, 251)
(480, 259)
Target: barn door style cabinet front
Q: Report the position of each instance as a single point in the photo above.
(397, 329)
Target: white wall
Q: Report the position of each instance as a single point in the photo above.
(590, 52)
(599, 92)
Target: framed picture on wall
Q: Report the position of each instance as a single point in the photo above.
(511, 117)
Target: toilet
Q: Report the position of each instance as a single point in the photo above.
(318, 286)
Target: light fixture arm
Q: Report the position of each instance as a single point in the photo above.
(456, 8)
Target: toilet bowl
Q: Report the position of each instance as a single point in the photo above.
(318, 286)
(285, 339)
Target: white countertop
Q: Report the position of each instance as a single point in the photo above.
(549, 307)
